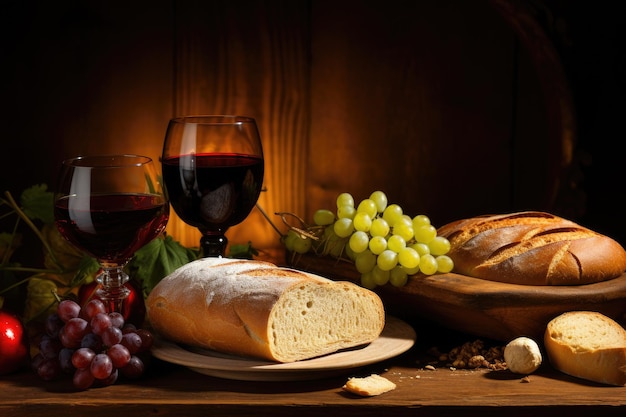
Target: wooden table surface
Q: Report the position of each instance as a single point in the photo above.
(172, 390)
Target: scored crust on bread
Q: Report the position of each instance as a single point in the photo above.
(587, 345)
(532, 248)
(256, 309)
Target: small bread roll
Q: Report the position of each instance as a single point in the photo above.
(522, 356)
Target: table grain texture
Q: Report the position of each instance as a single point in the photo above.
(172, 390)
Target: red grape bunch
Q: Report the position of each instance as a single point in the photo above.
(94, 346)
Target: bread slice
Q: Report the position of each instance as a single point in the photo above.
(369, 386)
(587, 345)
(532, 248)
(257, 309)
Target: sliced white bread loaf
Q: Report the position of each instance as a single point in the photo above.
(253, 308)
(587, 345)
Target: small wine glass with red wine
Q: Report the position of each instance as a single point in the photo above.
(110, 206)
(213, 173)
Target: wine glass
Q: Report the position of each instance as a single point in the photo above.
(213, 170)
(110, 206)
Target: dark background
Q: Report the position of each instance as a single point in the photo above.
(63, 61)
(589, 37)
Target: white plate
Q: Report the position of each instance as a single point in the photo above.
(396, 338)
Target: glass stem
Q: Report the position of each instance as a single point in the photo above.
(112, 290)
(213, 246)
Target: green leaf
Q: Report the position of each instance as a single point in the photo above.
(5, 238)
(158, 259)
(88, 267)
(37, 203)
(241, 251)
(8, 240)
(8, 244)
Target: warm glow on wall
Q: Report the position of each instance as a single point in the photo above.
(385, 103)
(186, 235)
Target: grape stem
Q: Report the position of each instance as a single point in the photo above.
(304, 231)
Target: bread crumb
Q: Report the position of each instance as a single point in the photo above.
(471, 355)
(369, 386)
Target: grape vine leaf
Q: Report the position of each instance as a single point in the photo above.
(88, 268)
(37, 203)
(157, 259)
(8, 243)
(242, 251)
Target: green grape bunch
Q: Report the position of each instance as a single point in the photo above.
(385, 244)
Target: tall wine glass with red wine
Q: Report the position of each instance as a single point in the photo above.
(213, 173)
(110, 206)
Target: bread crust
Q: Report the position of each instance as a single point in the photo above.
(606, 365)
(226, 305)
(532, 248)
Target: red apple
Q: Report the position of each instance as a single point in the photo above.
(134, 308)
(14, 349)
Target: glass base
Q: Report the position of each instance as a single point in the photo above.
(112, 290)
(213, 246)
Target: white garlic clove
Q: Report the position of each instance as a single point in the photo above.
(522, 356)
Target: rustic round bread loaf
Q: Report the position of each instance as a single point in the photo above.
(532, 248)
(253, 308)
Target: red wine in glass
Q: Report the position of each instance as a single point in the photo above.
(213, 171)
(112, 227)
(214, 191)
(110, 206)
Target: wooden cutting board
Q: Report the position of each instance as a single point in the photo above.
(483, 308)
